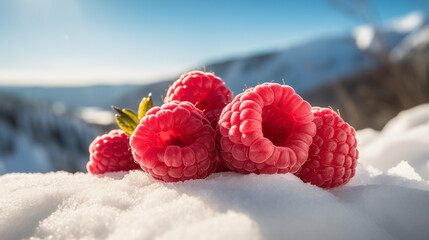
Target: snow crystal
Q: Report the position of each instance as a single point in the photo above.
(387, 199)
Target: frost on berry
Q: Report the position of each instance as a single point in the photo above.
(205, 90)
(266, 129)
(333, 154)
(175, 142)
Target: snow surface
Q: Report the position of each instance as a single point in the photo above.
(387, 199)
(402, 147)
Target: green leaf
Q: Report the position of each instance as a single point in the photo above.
(125, 120)
(130, 113)
(145, 105)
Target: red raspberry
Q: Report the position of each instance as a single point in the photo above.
(175, 142)
(267, 129)
(110, 153)
(333, 155)
(205, 90)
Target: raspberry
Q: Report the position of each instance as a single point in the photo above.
(267, 129)
(110, 153)
(205, 90)
(333, 155)
(175, 142)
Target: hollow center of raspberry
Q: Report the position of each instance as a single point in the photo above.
(276, 124)
(202, 103)
(172, 138)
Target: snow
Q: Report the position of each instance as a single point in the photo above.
(99, 96)
(305, 66)
(408, 22)
(309, 65)
(364, 36)
(27, 157)
(418, 27)
(387, 199)
(402, 147)
(395, 33)
(39, 138)
(404, 169)
(418, 39)
(133, 206)
(98, 116)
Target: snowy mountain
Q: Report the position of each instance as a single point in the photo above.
(387, 199)
(310, 65)
(41, 138)
(100, 96)
(305, 66)
(415, 42)
(392, 32)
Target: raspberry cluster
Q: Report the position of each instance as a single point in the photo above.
(201, 129)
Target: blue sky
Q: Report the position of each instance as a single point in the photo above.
(74, 42)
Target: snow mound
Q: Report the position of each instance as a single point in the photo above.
(120, 206)
(402, 147)
(225, 206)
(387, 199)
